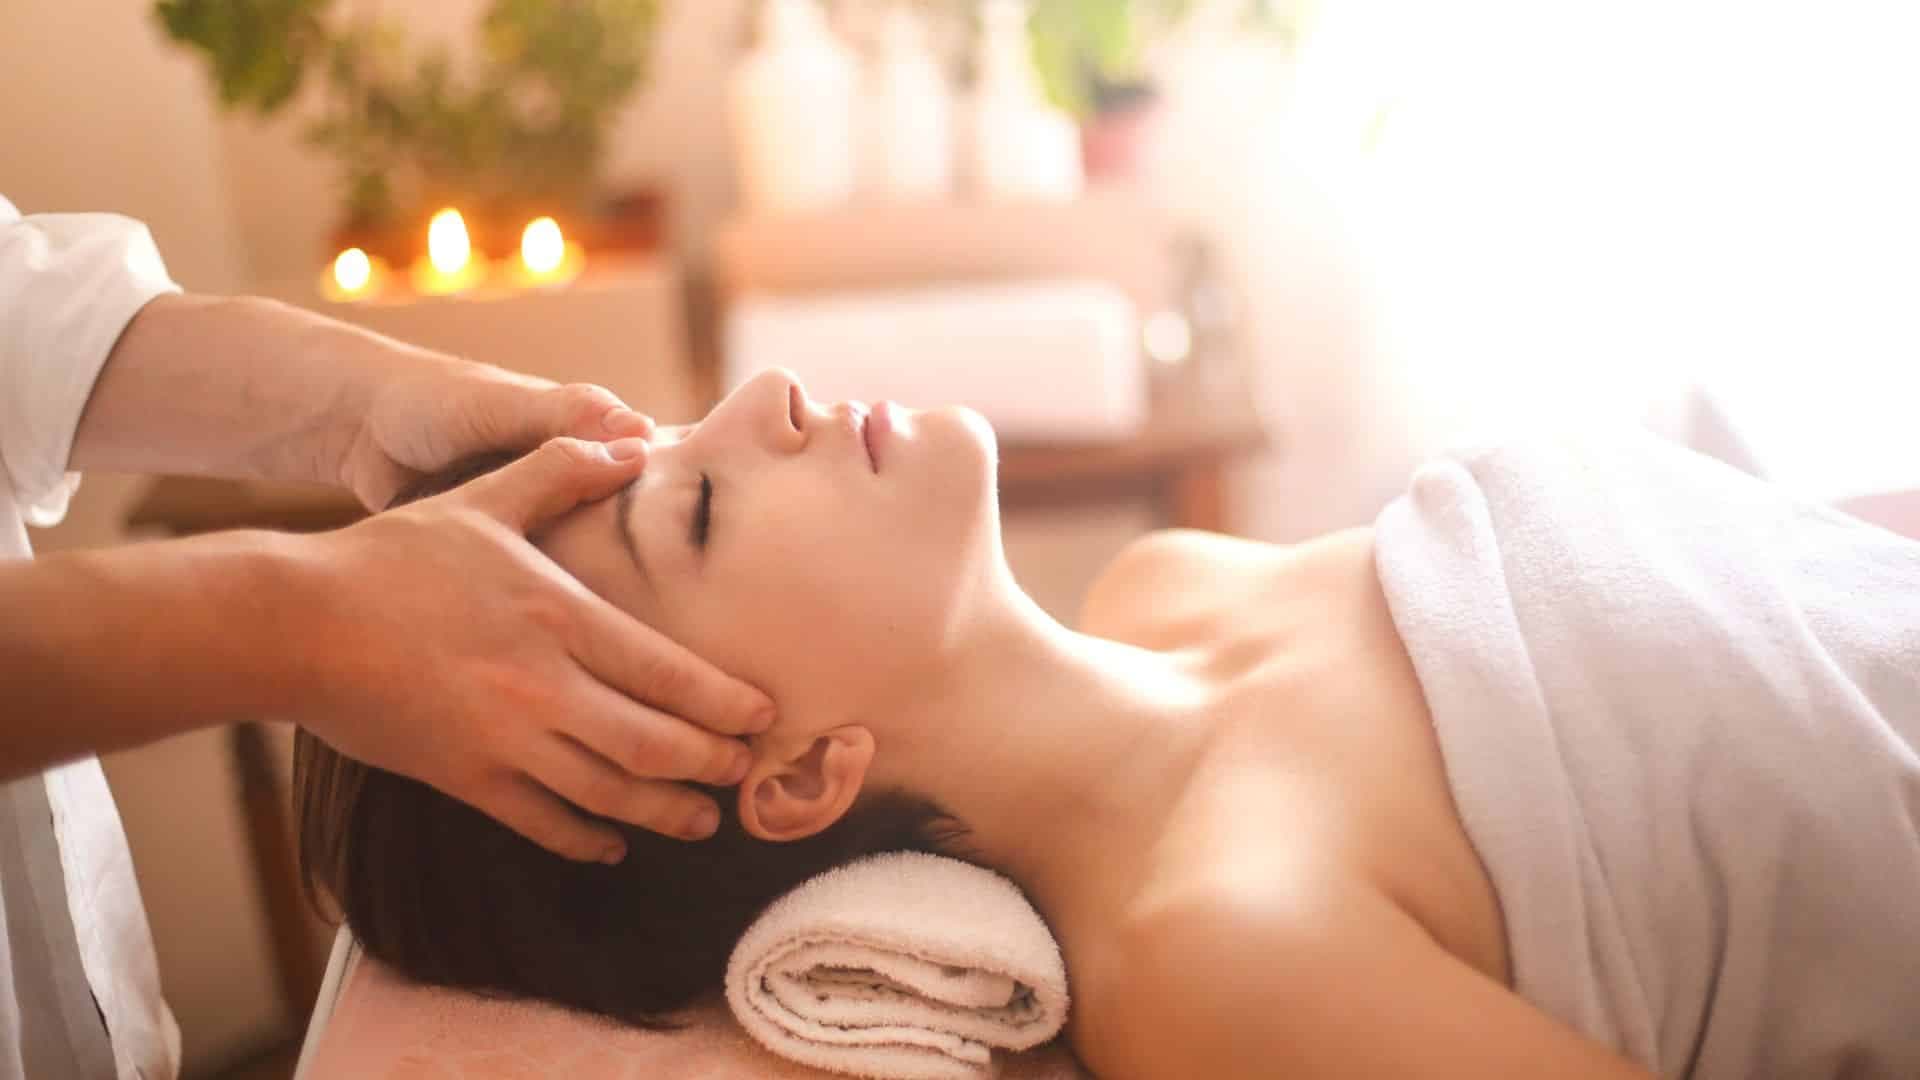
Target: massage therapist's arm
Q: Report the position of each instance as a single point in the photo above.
(434, 641)
(245, 387)
(1326, 986)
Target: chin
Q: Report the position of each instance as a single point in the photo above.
(973, 428)
(961, 458)
(973, 447)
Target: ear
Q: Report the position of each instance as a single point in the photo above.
(795, 791)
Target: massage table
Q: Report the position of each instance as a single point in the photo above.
(369, 1024)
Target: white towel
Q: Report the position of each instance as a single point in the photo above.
(1680, 713)
(904, 966)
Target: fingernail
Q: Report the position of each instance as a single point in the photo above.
(626, 449)
(706, 822)
(742, 764)
(626, 422)
(762, 721)
(614, 854)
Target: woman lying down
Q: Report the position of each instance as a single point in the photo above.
(1582, 762)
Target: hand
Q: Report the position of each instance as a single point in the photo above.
(428, 416)
(448, 648)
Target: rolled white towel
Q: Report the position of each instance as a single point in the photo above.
(905, 966)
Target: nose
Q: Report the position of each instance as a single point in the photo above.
(771, 408)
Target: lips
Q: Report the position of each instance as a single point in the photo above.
(876, 427)
(858, 416)
(870, 425)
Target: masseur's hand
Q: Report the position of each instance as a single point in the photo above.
(423, 418)
(243, 387)
(447, 647)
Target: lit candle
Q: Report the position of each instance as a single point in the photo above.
(546, 256)
(447, 243)
(354, 275)
(450, 265)
(542, 247)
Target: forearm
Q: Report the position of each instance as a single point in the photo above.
(240, 387)
(109, 649)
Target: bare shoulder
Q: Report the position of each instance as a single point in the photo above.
(1198, 972)
(1320, 977)
(1160, 589)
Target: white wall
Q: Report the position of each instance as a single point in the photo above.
(1574, 210)
(1237, 158)
(96, 114)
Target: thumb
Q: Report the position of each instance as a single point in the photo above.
(503, 414)
(554, 479)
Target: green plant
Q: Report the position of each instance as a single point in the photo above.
(526, 123)
(1091, 54)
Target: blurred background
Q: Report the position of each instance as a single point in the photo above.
(1222, 263)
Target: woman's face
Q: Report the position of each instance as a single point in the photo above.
(821, 552)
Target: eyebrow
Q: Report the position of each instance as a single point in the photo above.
(622, 513)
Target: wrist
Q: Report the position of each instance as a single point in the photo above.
(366, 366)
(287, 646)
(416, 409)
(333, 379)
(237, 600)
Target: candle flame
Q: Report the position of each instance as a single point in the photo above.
(352, 270)
(542, 247)
(447, 245)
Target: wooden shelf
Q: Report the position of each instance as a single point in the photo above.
(1107, 236)
(1185, 436)
(1202, 416)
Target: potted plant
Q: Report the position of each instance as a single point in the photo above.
(521, 130)
(1092, 56)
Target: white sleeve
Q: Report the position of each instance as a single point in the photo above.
(69, 284)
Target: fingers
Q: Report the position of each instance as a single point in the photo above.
(554, 479)
(621, 423)
(645, 665)
(587, 780)
(536, 813)
(506, 417)
(585, 411)
(645, 742)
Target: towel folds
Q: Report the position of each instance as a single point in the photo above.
(904, 966)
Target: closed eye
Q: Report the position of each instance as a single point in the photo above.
(702, 515)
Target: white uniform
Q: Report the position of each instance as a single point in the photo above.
(79, 986)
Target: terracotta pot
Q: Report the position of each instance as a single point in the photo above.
(1113, 139)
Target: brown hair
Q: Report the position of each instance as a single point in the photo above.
(445, 895)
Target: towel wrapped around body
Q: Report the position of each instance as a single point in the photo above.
(1680, 715)
(905, 966)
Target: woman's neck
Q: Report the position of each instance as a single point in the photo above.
(1061, 753)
